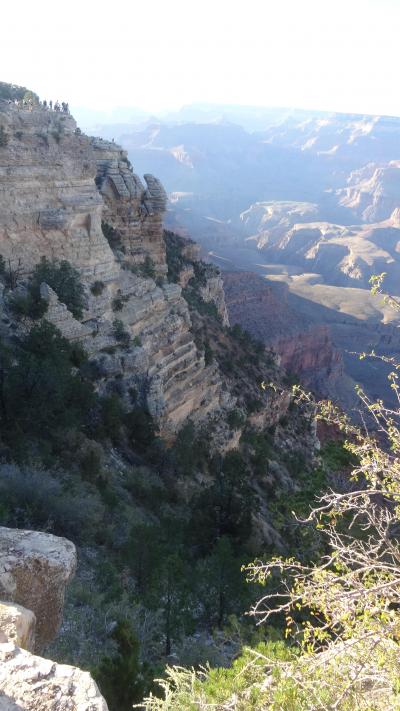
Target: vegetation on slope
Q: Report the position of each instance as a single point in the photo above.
(340, 609)
(162, 531)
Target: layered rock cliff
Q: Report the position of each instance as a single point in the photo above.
(132, 211)
(304, 348)
(373, 191)
(59, 190)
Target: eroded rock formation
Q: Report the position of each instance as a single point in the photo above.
(57, 188)
(35, 567)
(373, 191)
(134, 212)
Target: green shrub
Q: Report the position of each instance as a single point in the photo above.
(254, 404)
(208, 353)
(196, 302)
(42, 393)
(64, 279)
(58, 131)
(117, 304)
(97, 288)
(175, 260)
(236, 419)
(27, 305)
(90, 463)
(14, 92)
(148, 268)
(120, 333)
(36, 498)
(140, 428)
(122, 678)
(111, 417)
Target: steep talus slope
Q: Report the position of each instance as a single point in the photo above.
(50, 207)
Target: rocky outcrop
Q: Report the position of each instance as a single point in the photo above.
(58, 314)
(35, 567)
(57, 188)
(310, 355)
(30, 683)
(134, 212)
(34, 571)
(17, 625)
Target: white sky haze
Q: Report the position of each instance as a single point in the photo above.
(161, 54)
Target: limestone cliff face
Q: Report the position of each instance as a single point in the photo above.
(35, 567)
(49, 204)
(57, 187)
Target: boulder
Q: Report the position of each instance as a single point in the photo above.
(17, 625)
(30, 683)
(35, 568)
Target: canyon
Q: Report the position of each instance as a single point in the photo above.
(305, 198)
(178, 404)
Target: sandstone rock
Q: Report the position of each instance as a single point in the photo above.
(34, 571)
(17, 625)
(30, 683)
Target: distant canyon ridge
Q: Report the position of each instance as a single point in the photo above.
(308, 205)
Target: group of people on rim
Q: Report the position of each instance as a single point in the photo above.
(63, 106)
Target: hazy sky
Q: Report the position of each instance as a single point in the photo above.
(330, 54)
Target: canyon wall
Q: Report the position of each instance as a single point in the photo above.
(304, 348)
(59, 192)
